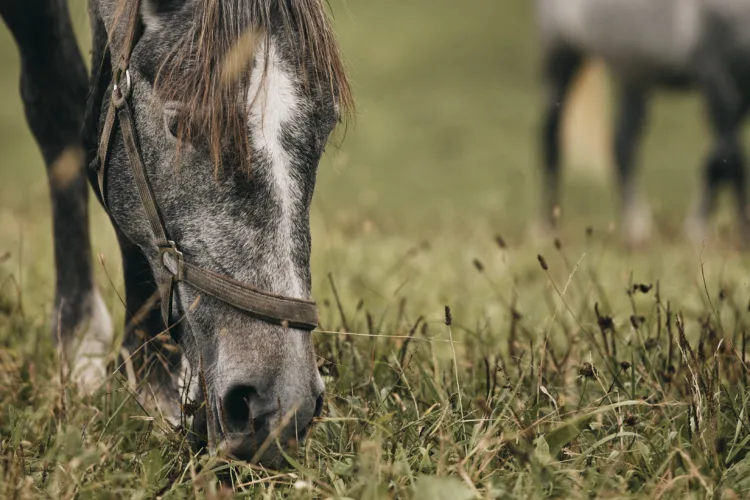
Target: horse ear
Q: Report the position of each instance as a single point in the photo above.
(154, 11)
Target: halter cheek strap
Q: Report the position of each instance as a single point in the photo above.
(265, 306)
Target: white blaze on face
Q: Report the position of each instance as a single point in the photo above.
(274, 104)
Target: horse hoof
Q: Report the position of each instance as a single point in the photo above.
(696, 230)
(90, 351)
(157, 397)
(638, 225)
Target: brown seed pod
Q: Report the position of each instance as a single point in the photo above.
(543, 262)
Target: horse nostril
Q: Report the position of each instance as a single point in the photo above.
(238, 410)
(318, 406)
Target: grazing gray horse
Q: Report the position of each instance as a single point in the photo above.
(700, 44)
(200, 131)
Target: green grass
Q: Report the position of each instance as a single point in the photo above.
(533, 399)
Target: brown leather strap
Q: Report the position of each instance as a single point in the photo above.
(130, 140)
(104, 145)
(128, 41)
(295, 313)
(120, 75)
(268, 307)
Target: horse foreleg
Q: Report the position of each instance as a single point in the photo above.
(725, 163)
(53, 89)
(635, 211)
(151, 360)
(740, 182)
(560, 68)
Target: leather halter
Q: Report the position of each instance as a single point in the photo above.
(265, 306)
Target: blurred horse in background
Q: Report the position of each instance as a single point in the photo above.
(646, 44)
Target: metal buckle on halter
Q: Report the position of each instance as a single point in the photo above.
(120, 93)
(178, 261)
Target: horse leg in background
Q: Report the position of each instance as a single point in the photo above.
(53, 89)
(560, 67)
(725, 162)
(635, 211)
(151, 359)
(740, 182)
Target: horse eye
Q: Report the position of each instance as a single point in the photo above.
(172, 112)
(170, 123)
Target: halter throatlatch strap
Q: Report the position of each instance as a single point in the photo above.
(265, 306)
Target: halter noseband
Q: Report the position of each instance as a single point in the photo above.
(268, 307)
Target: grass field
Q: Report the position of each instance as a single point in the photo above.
(593, 371)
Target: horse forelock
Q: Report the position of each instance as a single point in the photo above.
(209, 63)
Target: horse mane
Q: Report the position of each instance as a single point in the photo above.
(208, 69)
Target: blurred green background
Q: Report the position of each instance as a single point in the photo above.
(443, 151)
